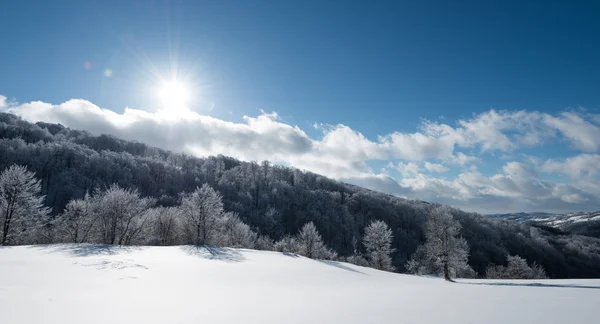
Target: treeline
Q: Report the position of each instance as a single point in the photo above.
(274, 202)
(118, 216)
(121, 216)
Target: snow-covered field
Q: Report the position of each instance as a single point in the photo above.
(97, 284)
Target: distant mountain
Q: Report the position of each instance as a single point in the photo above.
(522, 217)
(579, 223)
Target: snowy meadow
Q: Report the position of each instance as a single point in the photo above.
(88, 283)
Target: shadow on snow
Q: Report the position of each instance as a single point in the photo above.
(340, 266)
(214, 253)
(86, 249)
(533, 284)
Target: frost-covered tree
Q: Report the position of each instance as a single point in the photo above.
(21, 205)
(237, 234)
(495, 271)
(121, 213)
(422, 263)
(203, 213)
(165, 225)
(516, 268)
(287, 244)
(76, 223)
(310, 243)
(358, 260)
(265, 243)
(538, 272)
(444, 243)
(378, 244)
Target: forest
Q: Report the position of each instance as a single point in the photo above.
(101, 189)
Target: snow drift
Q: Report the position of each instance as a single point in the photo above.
(182, 284)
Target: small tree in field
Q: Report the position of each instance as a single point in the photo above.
(21, 205)
(517, 268)
(165, 225)
(236, 233)
(378, 243)
(77, 222)
(421, 263)
(310, 242)
(443, 243)
(287, 244)
(121, 213)
(203, 214)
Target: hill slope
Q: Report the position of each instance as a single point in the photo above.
(181, 284)
(274, 200)
(580, 223)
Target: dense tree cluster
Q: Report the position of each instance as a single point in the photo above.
(517, 268)
(107, 190)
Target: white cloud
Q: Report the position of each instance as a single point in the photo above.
(576, 167)
(486, 129)
(582, 133)
(461, 159)
(407, 169)
(344, 153)
(434, 167)
(346, 143)
(516, 188)
(519, 170)
(259, 137)
(418, 146)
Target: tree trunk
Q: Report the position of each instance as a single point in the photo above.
(6, 225)
(447, 272)
(198, 234)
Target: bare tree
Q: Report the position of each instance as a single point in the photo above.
(76, 223)
(287, 244)
(443, 243)
(203, 211)
(517, 268)
(165, 225)
(378, 243)
(121, 214)
(538, 272)
(21, 204)
(421, 263)
(264, 242)
(236, 233)
(310, 243)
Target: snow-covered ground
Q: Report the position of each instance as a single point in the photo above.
(97, 284)
(554, 220)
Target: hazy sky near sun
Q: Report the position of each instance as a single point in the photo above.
(491, 106)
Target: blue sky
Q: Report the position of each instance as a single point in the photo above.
(344, 76)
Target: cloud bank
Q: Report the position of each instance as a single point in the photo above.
(438, 162)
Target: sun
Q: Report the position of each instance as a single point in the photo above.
(174, 93)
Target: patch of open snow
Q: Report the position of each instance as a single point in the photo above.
(98, 284)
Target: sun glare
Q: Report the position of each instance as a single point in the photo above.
(174, 93)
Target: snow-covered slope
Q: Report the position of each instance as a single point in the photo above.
(97, 284)
(580, 223)
(551, 219)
